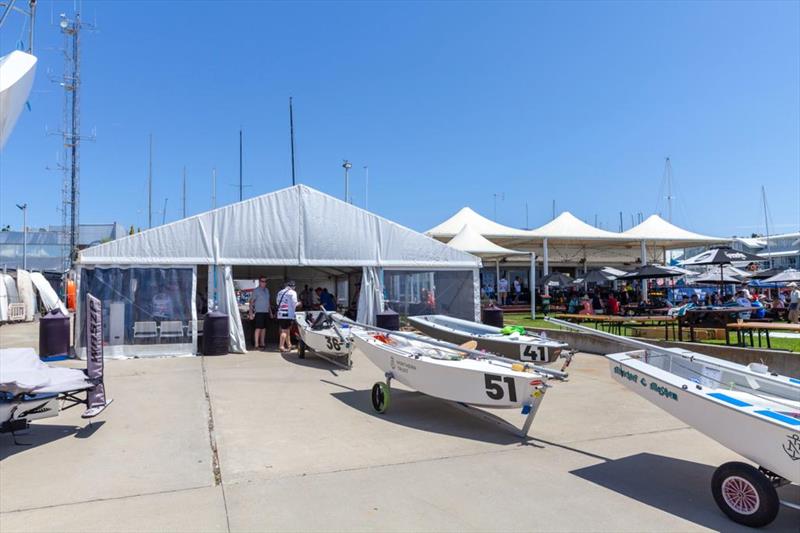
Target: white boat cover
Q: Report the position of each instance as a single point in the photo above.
(3, 302)
(50, 299)
(297, 226)
(471, 241)
(21, 371)
(11, 288)
(17, 71)
(26, 294)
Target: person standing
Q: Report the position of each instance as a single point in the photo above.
(287, 305)
(502, 289)
(259, 312)
(794, 303)
(517, 290)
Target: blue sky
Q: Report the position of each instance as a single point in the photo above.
(447, 103)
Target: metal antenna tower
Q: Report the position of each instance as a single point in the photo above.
(668, 179)
(71, 135)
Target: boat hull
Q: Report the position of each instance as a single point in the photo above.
(480, 383)
(537, 350)
(325, 341)
(769, 444)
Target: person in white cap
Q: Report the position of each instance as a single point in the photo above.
(794, 303)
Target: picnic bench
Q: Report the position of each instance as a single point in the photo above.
(744, 329)
(614, 323)
(708, 317)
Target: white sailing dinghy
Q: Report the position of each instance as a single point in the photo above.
(519, 344)
(459, 374)
(748, 409)
(324, 337)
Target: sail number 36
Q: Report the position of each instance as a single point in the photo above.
(495, 389)
(333, 344)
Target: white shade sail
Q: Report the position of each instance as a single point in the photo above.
(467, 217)
(297, 226)
(568, 227)
(656, 229)
(469, 240)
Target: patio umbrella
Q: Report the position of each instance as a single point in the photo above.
(556, 279)
(596, 276)
(787, 276)
(768, 273)
(652, 272)
(721, 256)
(712, 278)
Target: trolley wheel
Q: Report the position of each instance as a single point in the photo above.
(744, 494)
(301, 350)
(381, 397)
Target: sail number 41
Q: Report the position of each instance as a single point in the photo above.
(495, 389)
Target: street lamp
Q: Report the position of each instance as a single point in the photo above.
(24, 208)
(347, 166)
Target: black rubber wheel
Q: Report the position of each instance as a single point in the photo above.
(301, 350)
(744, 494)
(381, 397)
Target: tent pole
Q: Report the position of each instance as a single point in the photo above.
(533, 285)
(644, 263)
(497, 280)
(545, 258)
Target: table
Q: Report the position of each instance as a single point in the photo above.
(716, 316)
(614, 322)
(744, 328)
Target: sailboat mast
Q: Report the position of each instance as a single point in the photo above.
(766, 222)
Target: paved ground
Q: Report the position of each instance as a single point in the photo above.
(266, 442)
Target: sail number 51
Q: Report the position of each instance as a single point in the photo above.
(495, 389)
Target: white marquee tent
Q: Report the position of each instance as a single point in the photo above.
(143, 279)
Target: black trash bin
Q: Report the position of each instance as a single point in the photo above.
(492, 316)
(54, 334)
(388, 320)
(216, 333)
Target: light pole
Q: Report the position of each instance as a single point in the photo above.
(366, 187)
(347, 166)
(24, 208)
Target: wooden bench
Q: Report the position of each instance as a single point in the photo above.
(745, 328)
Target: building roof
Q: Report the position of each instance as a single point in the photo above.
(568, 227)
(466, 216)
(469, 240)
(297, 226)
(656, 229)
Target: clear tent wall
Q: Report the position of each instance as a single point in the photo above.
(147, 311)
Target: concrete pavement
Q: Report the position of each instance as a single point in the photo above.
(268, 442)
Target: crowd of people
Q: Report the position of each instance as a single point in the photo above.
(779, 303)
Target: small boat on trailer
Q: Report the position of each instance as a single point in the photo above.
(324, 337)
(521, 345)
(458, 374)
(749, 409)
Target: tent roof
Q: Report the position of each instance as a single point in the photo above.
(466, 216)
(655, 228)
(297, 226)
(469, 240)
(567, 226)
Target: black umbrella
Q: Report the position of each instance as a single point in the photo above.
(555, 279)
(652, 272)
(722, 256)
(764, 274)
(596, 276)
